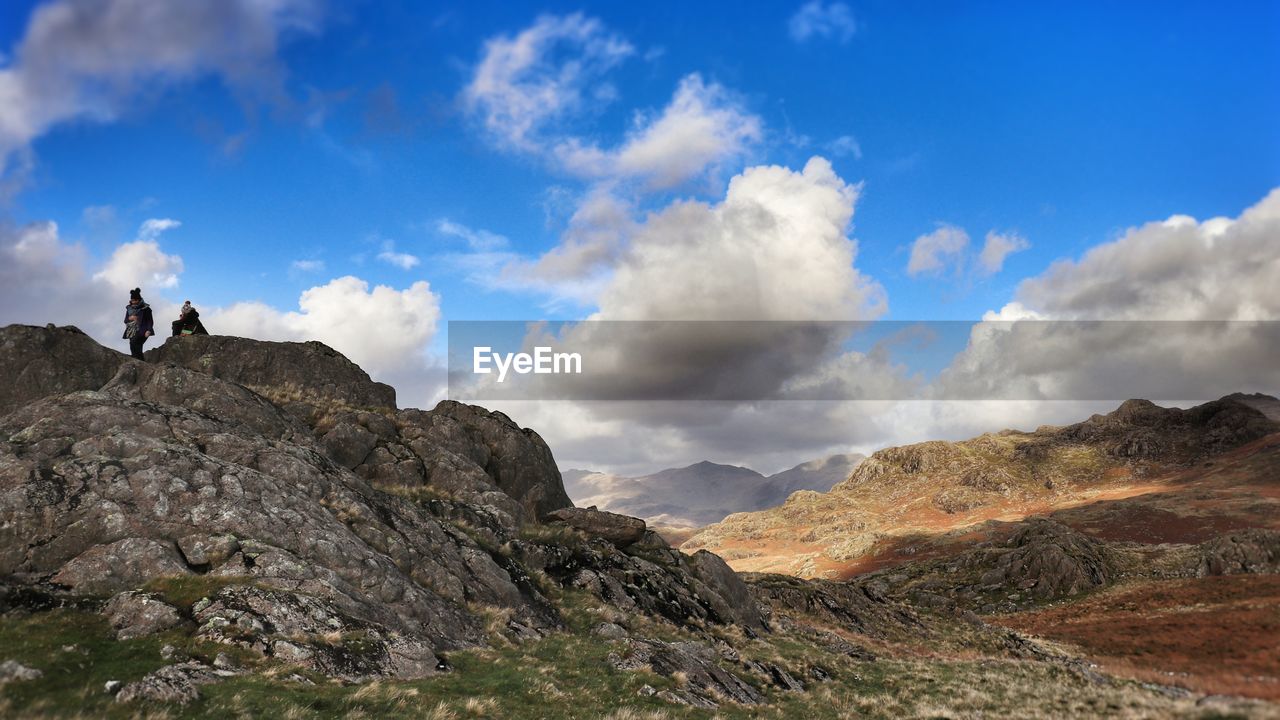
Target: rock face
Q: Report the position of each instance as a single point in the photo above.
(333, 530)
(39, 361)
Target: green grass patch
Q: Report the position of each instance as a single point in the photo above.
(183, 591)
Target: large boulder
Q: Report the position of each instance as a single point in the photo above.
(724, 590)
(134, 614)
(308, 373)
(621, 530)
(36, 362)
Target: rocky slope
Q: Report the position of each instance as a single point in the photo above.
(254, 529)
(705, 492)
(903, 493)
(312, 506)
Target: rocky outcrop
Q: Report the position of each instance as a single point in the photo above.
(647, 578)
(706, 683)
(857, 608)
(312, 632)
(620, 530)
(303, 375)
(996, 474)
(1040, 560)
(1045, 560)
(36, 362)
(727, 595)
(515, 459)
(359, 541)
(1143, 430)
(1248, 551)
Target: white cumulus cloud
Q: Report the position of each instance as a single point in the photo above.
(932, 252)
(519, 85)
(702, 126)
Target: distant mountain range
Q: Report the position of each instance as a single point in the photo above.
(704, 492)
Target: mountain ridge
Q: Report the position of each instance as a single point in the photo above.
(705, 491)
(934, 485)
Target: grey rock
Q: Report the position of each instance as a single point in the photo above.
(516, 459)
(706, 680)
(1046, 558)
(14, 670)
(313, 370)
(36, 362)
(621, 530)
(179, 683)
(776, 675)
(128, 562)
(208, 551)
(349, 444)
(112, 686)
(609, 631)
(134, 614)
(852, 606)
(102, 515)
(172, 653)
(1254, 550)
(299, 629)
(724, 590)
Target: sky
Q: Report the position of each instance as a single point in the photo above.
(364, 173)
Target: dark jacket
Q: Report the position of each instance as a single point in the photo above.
(190, 322)
(143, 312)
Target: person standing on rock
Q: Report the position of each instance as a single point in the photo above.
(137, 322)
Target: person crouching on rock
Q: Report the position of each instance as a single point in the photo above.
(188, 322)
(137, 323)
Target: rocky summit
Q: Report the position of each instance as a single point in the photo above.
(237, 527)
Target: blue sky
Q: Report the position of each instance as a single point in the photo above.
(1064, 123)
(351, 135)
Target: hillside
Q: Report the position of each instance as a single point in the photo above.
(705, 492)
(1146, 540)
(255, 529)
(919, 491)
